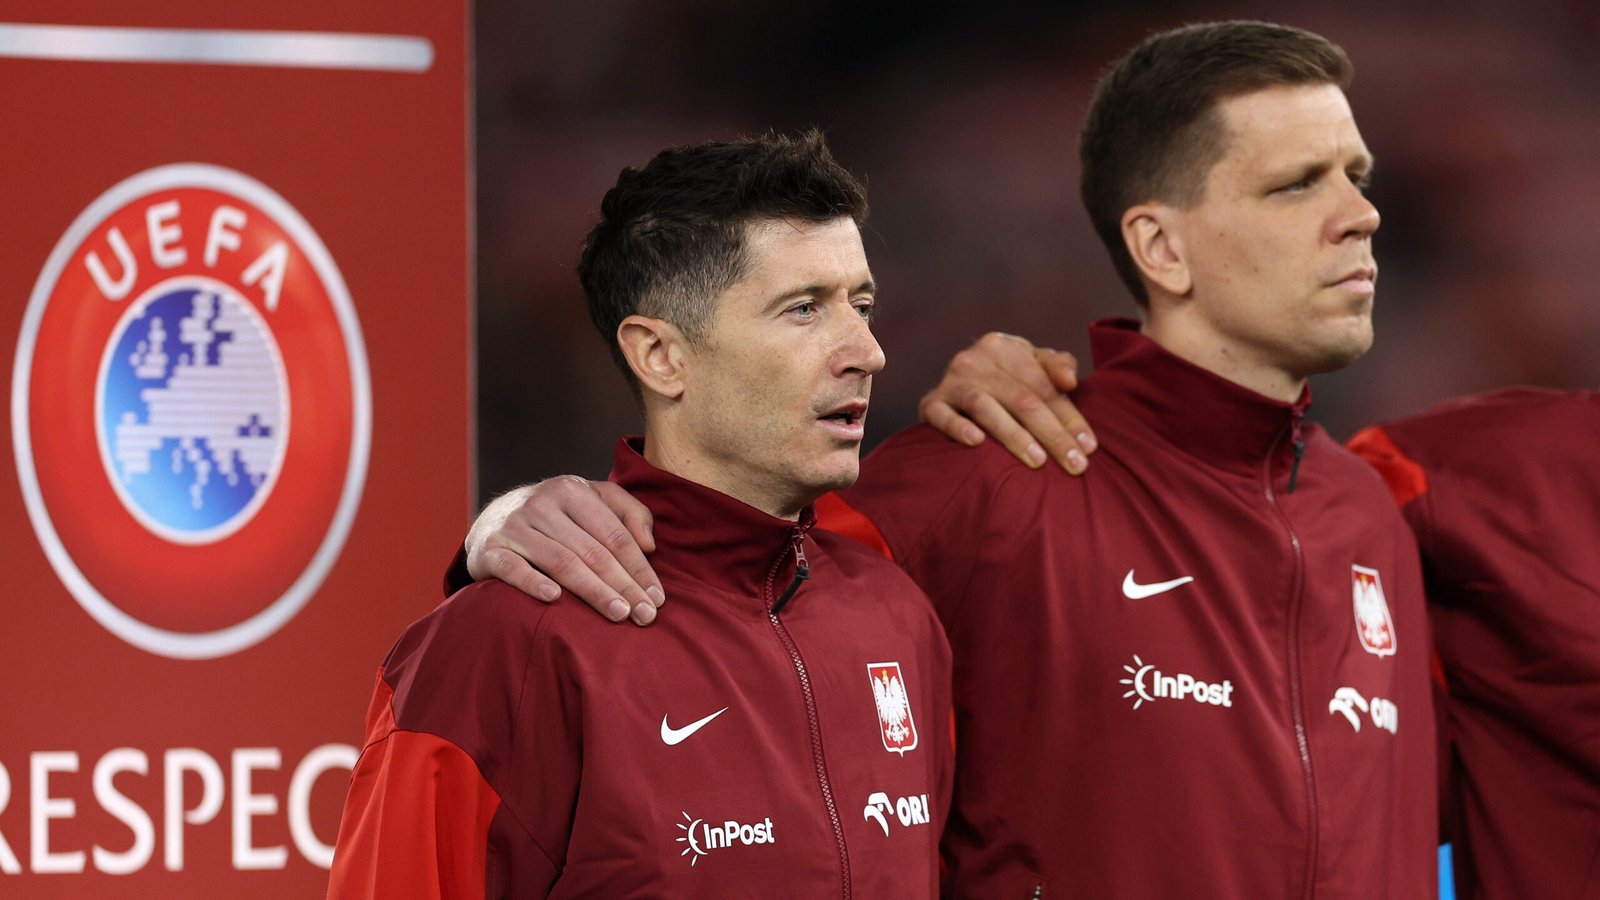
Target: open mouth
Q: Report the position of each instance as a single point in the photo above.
(846, 421)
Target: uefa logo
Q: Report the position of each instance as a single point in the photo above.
(191, 411)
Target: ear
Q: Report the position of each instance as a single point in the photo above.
(655, 350)
(1154, 237)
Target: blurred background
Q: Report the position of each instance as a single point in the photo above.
(962, 118)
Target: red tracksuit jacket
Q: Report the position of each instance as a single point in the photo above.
(518, 749)
(1503, 493)
(1175, 677)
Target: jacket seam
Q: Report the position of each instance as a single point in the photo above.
(988, 517)
(975, 475)
(538, 642)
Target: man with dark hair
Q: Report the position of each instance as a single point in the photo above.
(1154, 128)
(1183, 674)
(518, 749)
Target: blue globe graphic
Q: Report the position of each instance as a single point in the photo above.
(193, 411)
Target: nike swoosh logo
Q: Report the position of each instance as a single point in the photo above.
(1133, 590)
(674, 736)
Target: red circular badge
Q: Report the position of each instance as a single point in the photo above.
(191, 410)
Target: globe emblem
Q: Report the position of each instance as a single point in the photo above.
(192, 410)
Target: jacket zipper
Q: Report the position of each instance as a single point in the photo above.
(1296, 688)
(802, 572)
(1298, 448)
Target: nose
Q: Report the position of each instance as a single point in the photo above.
(858, 352)
(1356, 216)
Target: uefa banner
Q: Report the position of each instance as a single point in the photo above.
(236, 293)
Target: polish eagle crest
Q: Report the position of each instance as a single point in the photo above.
(1374, 625)
(895, 722)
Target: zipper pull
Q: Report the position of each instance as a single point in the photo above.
(1298, 448)
(802, 571)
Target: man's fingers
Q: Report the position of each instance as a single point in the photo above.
(1062, 370)
(994, 419)
(578, 577)
(509, 566)
(1015, 391)
(1059, 366)
(1073, 423)
(953, 425)
(582, 557)
(1033, 393)
(636, 538)
(635, 515)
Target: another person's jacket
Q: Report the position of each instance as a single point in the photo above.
(1199, 670)
(1503, 493)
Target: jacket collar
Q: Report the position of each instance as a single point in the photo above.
(717, 538)
(1202, 413)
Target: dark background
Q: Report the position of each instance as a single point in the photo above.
(963, 117)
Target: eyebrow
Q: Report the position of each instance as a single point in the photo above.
(1364, 163)
(814, 290)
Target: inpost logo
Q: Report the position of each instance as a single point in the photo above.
(1147, 684)
(701, 837)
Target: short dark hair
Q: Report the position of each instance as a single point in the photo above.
(671, 236)
(1154, 132)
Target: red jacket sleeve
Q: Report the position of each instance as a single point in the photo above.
(417, 819)
(465, 785)
(1406, 479)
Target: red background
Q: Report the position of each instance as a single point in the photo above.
(377, 164)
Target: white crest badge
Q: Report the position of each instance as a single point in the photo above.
(1374, 625)
(898, 728)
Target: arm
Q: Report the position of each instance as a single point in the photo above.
(1004, 386)
(471, 761)
(417, 819)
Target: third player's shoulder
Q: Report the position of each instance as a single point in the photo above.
(1507, 416)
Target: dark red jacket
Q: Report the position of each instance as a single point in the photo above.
(521, 749)
(1503, 493)
(1264, 730)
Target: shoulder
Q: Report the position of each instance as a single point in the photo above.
(920, 484)
(914, 476)
(485, 635)
(922, 445)
(876, 593)
(1484, 439)
(1504, 417)
(460, 671)
(481, 617)
(862, 565)
(1352, 470)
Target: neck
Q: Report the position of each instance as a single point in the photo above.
(1223, 358)
(667, 449)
